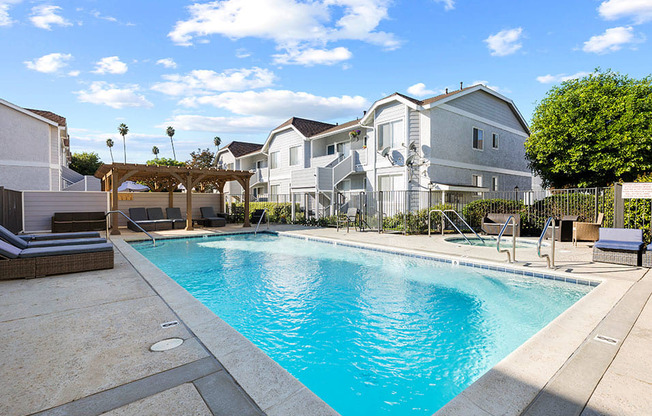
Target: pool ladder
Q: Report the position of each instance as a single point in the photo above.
(512, 258)
(443, 223)
(550, 258)
(260, 219)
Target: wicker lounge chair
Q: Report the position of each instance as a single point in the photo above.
(174, 214)
(210, 219)
(646, 260)
(493, 223)
(16, 241)
(619, 246)
(45, 261)
(156, 214)
(587, 231)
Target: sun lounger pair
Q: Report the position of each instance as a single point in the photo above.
(76, 255)
(152, 219)
(35, 241)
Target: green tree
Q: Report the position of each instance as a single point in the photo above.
(109, 144)
(156, 152)
(170, 132)
(164, 161)
(85, 163)
(123, 130)
(592, 131)
(202, 158)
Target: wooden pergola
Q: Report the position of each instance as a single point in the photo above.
(113, 175)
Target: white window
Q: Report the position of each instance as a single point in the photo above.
(494, 140)
(345, 185)
(476, 180)
(494, 183)
(273, 160)
(478, 138)
(275, 189)
(294, 155)
(391, 134)
(390, 183)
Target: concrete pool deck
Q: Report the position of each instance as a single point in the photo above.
(77, 342)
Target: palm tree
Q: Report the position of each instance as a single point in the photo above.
(170, 132)
(155, 151)
(109, 144)
(123, 130)
(217, 141)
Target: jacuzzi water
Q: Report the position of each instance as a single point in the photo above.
(371, 333)
(505, 242)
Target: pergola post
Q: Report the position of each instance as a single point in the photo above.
(171, 195)
(245, 185)
(188, 186)
(114, 202)
(220, 198)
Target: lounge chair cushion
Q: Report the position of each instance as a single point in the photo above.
(62, 250)
(69, 242)
(9, 251)
(11, 238)
(620, 239)
(138, 214)
(208, 212)
(173, 213)
(60, 236)
(155, 214)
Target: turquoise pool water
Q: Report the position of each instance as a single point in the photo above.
(371, 333)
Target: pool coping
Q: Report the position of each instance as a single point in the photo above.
(507, 388)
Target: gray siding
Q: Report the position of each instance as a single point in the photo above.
(413, 127)
(39, 207)
(486, 105)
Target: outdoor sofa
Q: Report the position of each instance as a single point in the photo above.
(210, 219)
(65, 222)
(139, 216)
(16, 241)
(492, 223)
(174, 214)
(16, 263)
(619, 246)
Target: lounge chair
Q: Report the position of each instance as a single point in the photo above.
(139, 215)
(45, 261)
(174, 214)
(493, 223)
(20, 243)
(210, 219)
(587, 231)
(619, 246)
(59, 236)
(156, 214)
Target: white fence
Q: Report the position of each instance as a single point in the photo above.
(160, 199)
(40, 206)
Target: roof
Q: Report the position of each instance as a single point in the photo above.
(307, 127)
(49, 115)
(339, 127)
(239, 149)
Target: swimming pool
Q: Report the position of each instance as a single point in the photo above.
(369, 332)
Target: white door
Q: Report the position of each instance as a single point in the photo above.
(344, 148)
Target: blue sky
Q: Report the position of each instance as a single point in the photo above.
(237, 68)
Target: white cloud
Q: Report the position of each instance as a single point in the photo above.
(419, 90)
(192, 122)
(639, 10)
(290, 23)
(44, 16)
(167, 62)
(110, 95)
(98, 15)
(611, 40)
(448, 4)
(282, 104)
(486, 84)
(242, 53)
(110, 65)
(49, 63)
(203, 81)
(505, 42)
(5, 19)
(549, 79)
(74, 73)
(310, 56)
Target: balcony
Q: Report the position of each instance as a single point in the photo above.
(259, 176)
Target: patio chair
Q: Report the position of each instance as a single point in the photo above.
(139, 215)
(587, 231)
(156, 214)
(46, 261)
(619, 246)
(210, 219)
(349, 218)
(174, 214)
(22, 244)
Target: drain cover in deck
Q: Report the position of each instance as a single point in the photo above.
(166, 344)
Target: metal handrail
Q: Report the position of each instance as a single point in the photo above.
(260, 219)
(465, 223)
(449, 220)
(550, 258)
(511, 258)
(128, 219)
